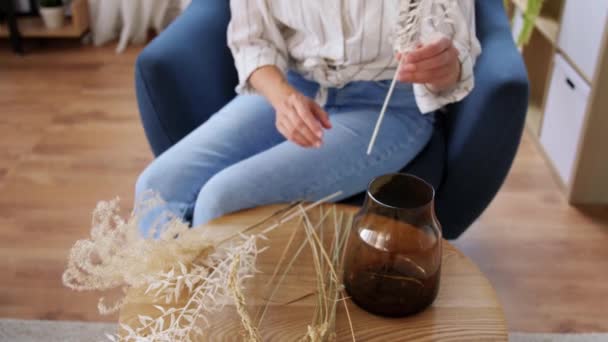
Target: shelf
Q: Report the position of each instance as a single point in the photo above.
(534, 118)
(33, 27)
(547, 25)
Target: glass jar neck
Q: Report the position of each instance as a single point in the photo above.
(418, 215)
(401, 196)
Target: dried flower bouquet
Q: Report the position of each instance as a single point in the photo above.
(189, 275)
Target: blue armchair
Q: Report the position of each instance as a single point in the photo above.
(187, 73)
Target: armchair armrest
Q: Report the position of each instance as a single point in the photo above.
(186, 74)
(484, 130)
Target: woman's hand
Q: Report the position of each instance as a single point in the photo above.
(301, 120)
(298, 118)
(435, 65)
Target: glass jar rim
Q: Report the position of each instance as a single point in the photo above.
(423, 198)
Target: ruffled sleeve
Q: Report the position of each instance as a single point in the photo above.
(255, 40)
(465, 40)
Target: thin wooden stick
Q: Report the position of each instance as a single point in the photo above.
(265, 308)
(295, 300)
(321, 235)
(317, 264)
(334, 286)
(298, 212)
(281, 212)
(262, 311)
(292, 207)
(350, 321)
(283, 255)
(315, 238)
(383, 111)
(344, 242)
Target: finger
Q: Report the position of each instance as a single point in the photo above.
(422, 78)
(322, 115)
(445, 58)
(444, 82)
(301, 140)
(285, 128)
(403, 64)
(306, 115)
(295, 124)
(426, 76)
(300, 129)
(299, 117)
(282, 129)
(428, 50)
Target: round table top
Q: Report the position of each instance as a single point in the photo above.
(466, 308)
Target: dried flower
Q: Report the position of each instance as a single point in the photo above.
(179, 264)
(190, 276)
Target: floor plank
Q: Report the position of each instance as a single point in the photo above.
(70, 136)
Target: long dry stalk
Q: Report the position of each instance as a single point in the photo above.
(286, 214)
(305, 209)
(253, 335)
(262, 311)
(283, 255)
(280, 281)
(327, 261)
(350, 321)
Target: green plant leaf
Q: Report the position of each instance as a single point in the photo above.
(530, 15)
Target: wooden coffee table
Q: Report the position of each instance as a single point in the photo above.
(466, 308)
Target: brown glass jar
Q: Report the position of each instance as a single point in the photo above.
(393, 258)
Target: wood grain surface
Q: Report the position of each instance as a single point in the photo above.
(466, 308)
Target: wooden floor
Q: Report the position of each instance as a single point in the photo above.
(70, 136)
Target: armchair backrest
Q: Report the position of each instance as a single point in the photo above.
(483, 131)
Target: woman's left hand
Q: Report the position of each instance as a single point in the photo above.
(436, 65)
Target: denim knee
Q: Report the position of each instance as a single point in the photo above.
(157, 179)
(146, 181)
(219, 196)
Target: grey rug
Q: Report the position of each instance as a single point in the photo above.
(12, 330)
(60, 331)
(524, 337)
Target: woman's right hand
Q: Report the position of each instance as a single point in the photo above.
(301, 120)
(298, 118)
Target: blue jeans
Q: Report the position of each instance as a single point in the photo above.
(238, 159)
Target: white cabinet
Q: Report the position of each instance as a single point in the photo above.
(582, 31)
(567, 63)
(563, 121)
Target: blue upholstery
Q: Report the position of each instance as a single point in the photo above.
(187, 73)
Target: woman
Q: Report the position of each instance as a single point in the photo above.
(313, 76)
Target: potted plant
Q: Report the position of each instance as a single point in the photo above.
(52, 13)
(533, 8)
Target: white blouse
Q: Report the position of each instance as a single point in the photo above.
(333, 42)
